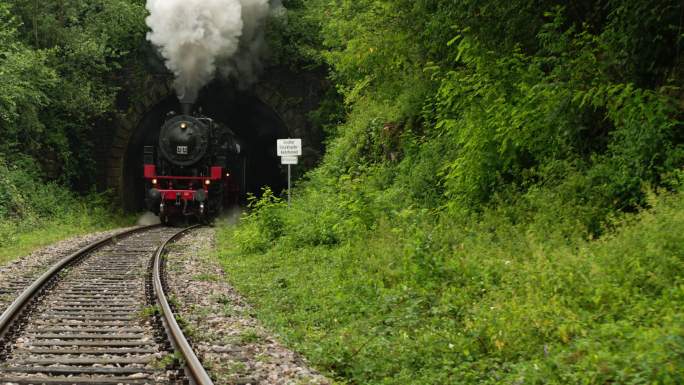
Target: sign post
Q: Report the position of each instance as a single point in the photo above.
(289, 151)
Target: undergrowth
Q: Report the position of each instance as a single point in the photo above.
(35, 213)
(423, 297)
(485, 210)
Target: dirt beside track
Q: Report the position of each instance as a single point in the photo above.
(229, 341)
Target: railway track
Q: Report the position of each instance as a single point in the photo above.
(100, 316)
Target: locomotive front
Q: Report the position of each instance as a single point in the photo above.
(184, 140)
(189, 173)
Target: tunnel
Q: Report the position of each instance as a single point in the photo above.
(256, 124)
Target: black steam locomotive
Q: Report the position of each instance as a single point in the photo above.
(197, 167)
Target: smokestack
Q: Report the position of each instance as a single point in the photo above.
(186, 108)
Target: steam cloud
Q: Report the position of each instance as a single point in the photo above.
(148, 219)
(199, 38)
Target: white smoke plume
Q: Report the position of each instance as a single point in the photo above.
(148, 219)
(199, 38)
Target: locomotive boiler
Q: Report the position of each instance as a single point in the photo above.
(195, 168)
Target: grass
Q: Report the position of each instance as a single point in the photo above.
(54, 230)
(250, 336)
(148, 311)
(35, 212)
(207, 277)
(427, 299)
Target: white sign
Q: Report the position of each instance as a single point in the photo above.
(289, 147)
(289, 159)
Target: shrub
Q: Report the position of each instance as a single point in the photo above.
(34, 212)
(483, 213)
(424, 297)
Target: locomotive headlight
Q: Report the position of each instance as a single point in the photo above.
(184, 125)
(154, 181)
(227, 175)
(207, 182)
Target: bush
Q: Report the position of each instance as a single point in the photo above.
(483, 213)
(263, 224)
(428, 298)
(61, 72)
(34, 212)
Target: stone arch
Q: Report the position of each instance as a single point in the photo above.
(285, 97)
(112, 137)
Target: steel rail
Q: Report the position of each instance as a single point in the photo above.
(193, 368)
(19, 305)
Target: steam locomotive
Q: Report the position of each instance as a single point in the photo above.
(196, 167)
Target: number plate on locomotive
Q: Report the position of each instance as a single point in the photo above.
(182, 150)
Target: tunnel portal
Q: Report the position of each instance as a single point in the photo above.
(256, 124)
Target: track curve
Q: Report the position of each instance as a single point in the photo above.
(93, 318)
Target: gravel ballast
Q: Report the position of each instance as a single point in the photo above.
(229, 341)
(19, 274)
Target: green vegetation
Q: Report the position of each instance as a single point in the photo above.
(206, 277)
(35, 213)
(148, 311)
(501, 198)
(421, 299)
(61, 68)
(250, 336)
(168, 361)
